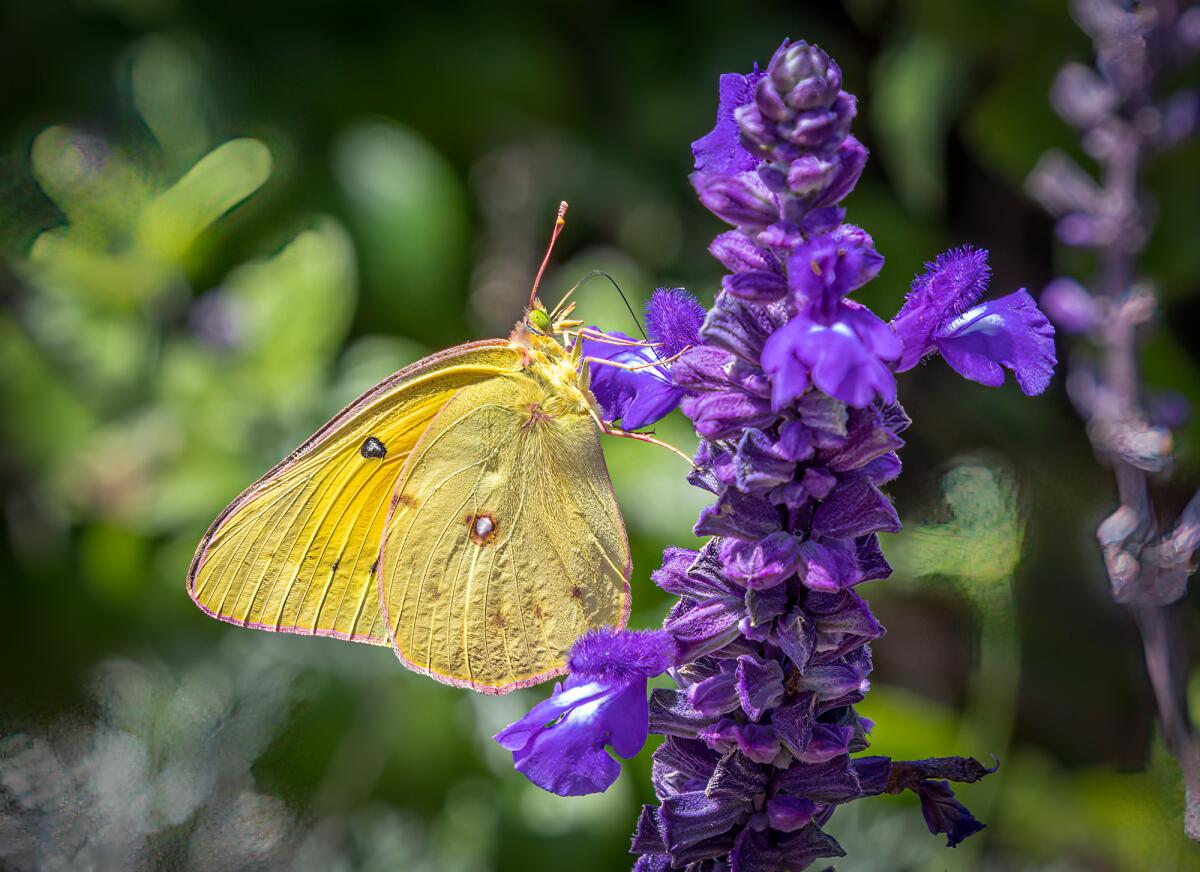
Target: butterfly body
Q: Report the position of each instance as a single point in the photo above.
(460, 511)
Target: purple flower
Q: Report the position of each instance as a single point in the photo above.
(1070, 306)
(845, 359)
(642, 396)
(559, 745)
(1010, 332)
(978, 341)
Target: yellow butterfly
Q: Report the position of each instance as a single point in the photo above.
(459, 511)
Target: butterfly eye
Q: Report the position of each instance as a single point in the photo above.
(539, 320)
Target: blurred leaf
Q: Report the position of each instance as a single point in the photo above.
(409, 213)
(169, 96)
(114, 560)
(980, 545)
(219, 181)
(917, 87)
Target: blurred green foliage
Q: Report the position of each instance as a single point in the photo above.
(222, 222)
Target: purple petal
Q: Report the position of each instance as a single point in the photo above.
(763, 563)
(1009, 332)
(835, 358)
(673, 319)
(722, 415)
(827, 741)
(636, 398)
(851, 159)
(949, 285)
(828, 567)
(943, 813)
(737, 252)
(690, 818)
(704, 628)
(755, 286)
(741, 200)
(515, 736)
(757, 742)
(759, 685)
(716, 695)
(789, 813)
(620, 656)
(721, 150)
(568, 757)
(855, 508)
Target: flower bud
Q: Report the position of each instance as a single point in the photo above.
(742, 200)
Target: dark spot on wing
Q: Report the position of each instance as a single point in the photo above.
(482, 527)
(500, 620)
(333, 569)
(374, 566)
(537, 611)
(403, 500)
(576, 592)
(373, 449)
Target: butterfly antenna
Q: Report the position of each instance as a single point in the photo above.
(558, 226)
(598, 273)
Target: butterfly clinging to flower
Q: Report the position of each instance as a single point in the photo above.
(459, 511)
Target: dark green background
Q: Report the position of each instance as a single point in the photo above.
(423, 150)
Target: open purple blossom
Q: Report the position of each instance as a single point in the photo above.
(942, 313)
(559, 745)
(791, 386)
(639, 397)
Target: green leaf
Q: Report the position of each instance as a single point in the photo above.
(219, 181)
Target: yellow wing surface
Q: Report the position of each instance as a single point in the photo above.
(460, 510)
(504, 541)
(297, 551)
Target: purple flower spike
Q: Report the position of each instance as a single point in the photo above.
(559, 745)
(791, 387)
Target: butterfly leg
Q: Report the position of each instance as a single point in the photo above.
(609, 430)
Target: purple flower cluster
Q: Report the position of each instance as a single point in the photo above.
(791, 386)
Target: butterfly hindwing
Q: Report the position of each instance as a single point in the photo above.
(504, 542)
(297, 551)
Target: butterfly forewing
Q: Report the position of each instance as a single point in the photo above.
(297, 551)
(504, 541)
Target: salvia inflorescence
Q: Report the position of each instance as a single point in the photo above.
(791, 386)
